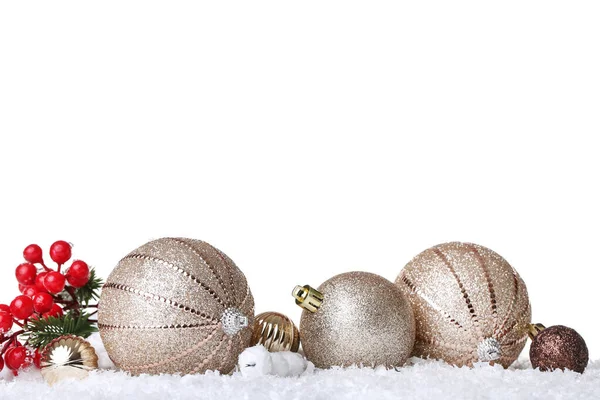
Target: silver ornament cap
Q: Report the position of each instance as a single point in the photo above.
(489, 349)
(233, 321)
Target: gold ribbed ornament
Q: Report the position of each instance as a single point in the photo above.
(276, 332)
(68, 357)
(176, 305)
(470, 305)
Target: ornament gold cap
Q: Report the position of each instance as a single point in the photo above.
(308, 298)
(534, 329)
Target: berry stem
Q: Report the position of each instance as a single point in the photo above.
(58, 300)
(46, 268)
(17, 322)
(74, 304)
(10, 339)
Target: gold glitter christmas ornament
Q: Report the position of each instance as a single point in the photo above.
(176, 305)
(275, 332)
(68, 357)
(355, 318)
(557, 347)
(470, 305)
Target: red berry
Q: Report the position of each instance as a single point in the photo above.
(54, 282)
(78, 283)
(1, 363)
(4, 307)
(42, 302)
(55, 311)
(29, 291)
(39, 282)
(26, 273)
(60, 252)
(79, 269)
(78, 274)
(21, 307)
(37, 359)
(33, 254)
(6, 321)
(15, 357)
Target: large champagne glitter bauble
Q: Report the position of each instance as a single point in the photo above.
(355, 318)
(470, 305)
(176, 306)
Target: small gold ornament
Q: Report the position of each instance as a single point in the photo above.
(176, 305)
(355, 318)
(470, 305)
(275, 332)
(68, 357)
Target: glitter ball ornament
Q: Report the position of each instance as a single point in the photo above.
(176, 305)
(68, 357)
(275, 332)
(470, 305)
(557, 347)
(355, 318)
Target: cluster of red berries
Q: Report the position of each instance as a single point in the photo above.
(40, 287)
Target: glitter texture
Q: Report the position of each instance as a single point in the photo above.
(161, 308)
(233, 321)
(559, 347)
(463, 294)
(364, 319)
(489, 350)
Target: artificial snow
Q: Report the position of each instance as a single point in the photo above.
(257, 361)
(420, 379)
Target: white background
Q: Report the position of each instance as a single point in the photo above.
(308, 139)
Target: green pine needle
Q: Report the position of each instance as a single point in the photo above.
(44, 330)
(91, 291)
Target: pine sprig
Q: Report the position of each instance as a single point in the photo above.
(91, 291)
(42, 331)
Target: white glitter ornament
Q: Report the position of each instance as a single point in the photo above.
(176, 305)
(470, 305)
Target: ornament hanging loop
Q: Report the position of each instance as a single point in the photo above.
(308, 298)
(534, 329)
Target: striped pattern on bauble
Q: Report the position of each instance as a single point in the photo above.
(470, 305)
(176, 305)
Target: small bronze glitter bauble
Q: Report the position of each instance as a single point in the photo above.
(275, 332)
(359, 318)
(176, 306)
(559, 347)
(470, 305)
